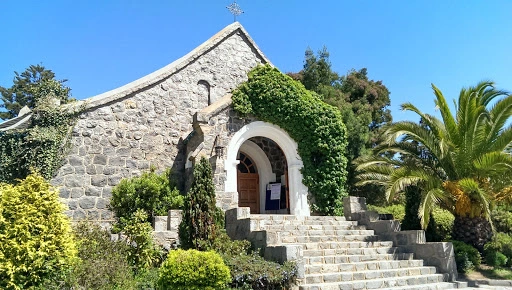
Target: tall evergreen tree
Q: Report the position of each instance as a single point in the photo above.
(29, 87)
(362, 102)
(198, 228)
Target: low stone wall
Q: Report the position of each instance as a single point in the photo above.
(439, 255)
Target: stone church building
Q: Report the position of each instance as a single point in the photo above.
(172, 117)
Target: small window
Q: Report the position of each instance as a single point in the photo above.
(246, 165)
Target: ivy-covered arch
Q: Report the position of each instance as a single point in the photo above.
(317, 127)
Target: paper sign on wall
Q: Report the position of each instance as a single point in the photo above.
(275, 191)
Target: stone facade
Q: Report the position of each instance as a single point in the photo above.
(274, 154)
(150, 122)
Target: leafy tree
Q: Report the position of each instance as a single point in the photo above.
(37, 245)
(29, 87)
(457, 161)
(198, 228)
(362, 102)
(151, 192)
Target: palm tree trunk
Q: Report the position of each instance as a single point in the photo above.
(474, 231)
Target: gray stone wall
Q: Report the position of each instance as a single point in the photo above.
(121, 139)
(274, 154)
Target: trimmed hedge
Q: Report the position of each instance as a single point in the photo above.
(316, 126)
(193, 270)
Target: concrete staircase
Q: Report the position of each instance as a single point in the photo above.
(333, 253)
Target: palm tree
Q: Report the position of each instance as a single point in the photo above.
(458, 161)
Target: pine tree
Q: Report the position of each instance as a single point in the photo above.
(198, 229)
(29, 87)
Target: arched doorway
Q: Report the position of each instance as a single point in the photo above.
(298, 202)
(248, 184)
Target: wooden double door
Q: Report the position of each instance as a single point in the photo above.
(248, 184)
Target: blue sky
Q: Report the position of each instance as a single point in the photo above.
(100, 45)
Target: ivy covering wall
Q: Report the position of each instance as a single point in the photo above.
(40, 147)
(316, 126)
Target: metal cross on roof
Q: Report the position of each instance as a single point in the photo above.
(235, 9)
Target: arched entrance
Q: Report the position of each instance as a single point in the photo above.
(297, 191)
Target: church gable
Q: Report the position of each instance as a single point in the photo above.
(144, 123)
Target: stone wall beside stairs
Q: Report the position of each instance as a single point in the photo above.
(440, 255)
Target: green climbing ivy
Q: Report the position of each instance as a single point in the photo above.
(40, 147)
(316, 126)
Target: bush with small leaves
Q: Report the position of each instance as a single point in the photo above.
(151, 192)
(193, 270)
(143, 252)
(502, 221)
(397, 210)
(466, 256)
(251, 271)
(441, 225)
(502, 243)
(103, 262)
(495, 259)
(37, 244)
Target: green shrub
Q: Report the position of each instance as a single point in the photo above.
(502, 243)
(193, 270)
(466, 256)
(143, 252)
(495, 259)
(198, 227)
(317, 128)
(502, 221)
(440, 226)
(36, 240)
(254, 272)
(397, 210)
(154, 193)
(103, 263)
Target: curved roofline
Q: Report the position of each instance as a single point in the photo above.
(171, 68)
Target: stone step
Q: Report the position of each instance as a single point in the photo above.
(331, 277)
(381, 283)
(302, 227)
(279, 238)
(346, 245)
(431, 286)
(280, 217)
(351, 251)
(328, 233)
(341, 259)
(362, 266)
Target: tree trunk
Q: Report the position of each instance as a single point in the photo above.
(474, 231)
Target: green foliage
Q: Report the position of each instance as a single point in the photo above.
(502, 221)
(29, 87)
(103, 263)
(40, 147)
(193, 270)
(363, 105)
(198, 227)
(143, 253)
(397, 210)
(502, 243)
(495, 259)
(153, 193)
(254, 272)
(441, 225)
(454, 161)
(36, 241)
(317, 128)
(466, 256)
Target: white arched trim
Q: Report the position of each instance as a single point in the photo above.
(263, 165)
(297, 191)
